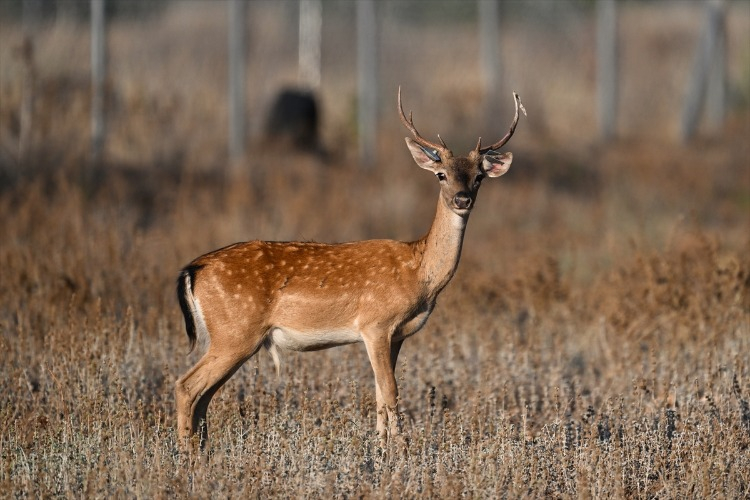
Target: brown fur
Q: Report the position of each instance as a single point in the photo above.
(307, 296)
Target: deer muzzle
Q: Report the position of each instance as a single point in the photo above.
(462, 201)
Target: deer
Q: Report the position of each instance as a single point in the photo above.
(307, 296)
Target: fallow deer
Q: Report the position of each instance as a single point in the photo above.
(305, 296)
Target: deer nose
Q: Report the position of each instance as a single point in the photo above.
(462, 200)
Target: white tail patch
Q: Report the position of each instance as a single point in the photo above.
(201, 330)
(274, 352)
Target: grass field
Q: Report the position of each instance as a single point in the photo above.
(594, 343)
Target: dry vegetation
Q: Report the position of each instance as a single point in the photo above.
(595, 341)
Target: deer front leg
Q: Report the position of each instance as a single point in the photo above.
(382, 358)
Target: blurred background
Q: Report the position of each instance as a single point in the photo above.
(280, 116)
(283, 114)
(589, 71)
(611, 263)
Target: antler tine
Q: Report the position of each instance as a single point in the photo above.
(507, 136)
(409, 124)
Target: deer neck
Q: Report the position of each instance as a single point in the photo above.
(441, 249)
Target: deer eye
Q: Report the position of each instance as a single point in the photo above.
(441, 176)
(478, 180)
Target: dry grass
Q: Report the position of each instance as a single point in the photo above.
(545, 370)
(594, 342)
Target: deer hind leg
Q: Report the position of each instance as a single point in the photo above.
(394, 421)
(383, 357)
(195, 389)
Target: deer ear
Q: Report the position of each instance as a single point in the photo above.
(425, 159)
(496, 164)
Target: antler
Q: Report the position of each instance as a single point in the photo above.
(479, 149)
(418, 138)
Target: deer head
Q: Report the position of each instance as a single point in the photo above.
(460, 176)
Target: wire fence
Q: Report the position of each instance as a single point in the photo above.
(166, 79)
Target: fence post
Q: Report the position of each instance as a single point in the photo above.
(237, 58)
(707, 81)
(30, 18)
(310, 26)
(489, 57)
(367, 82)
(98, 80)
(717, 75)
(607, 65)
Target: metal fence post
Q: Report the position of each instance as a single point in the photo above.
(310, 26)
(607, 67)
(237, 59)
(717, 75)
(489, 57)
(98, 79)
(367, 82)
(708, 75)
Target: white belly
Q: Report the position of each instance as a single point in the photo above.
(312, 340)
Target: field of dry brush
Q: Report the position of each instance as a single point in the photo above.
(595, 341)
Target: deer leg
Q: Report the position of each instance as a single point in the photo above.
(395, 422)
(381, 354)
(195, 389)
